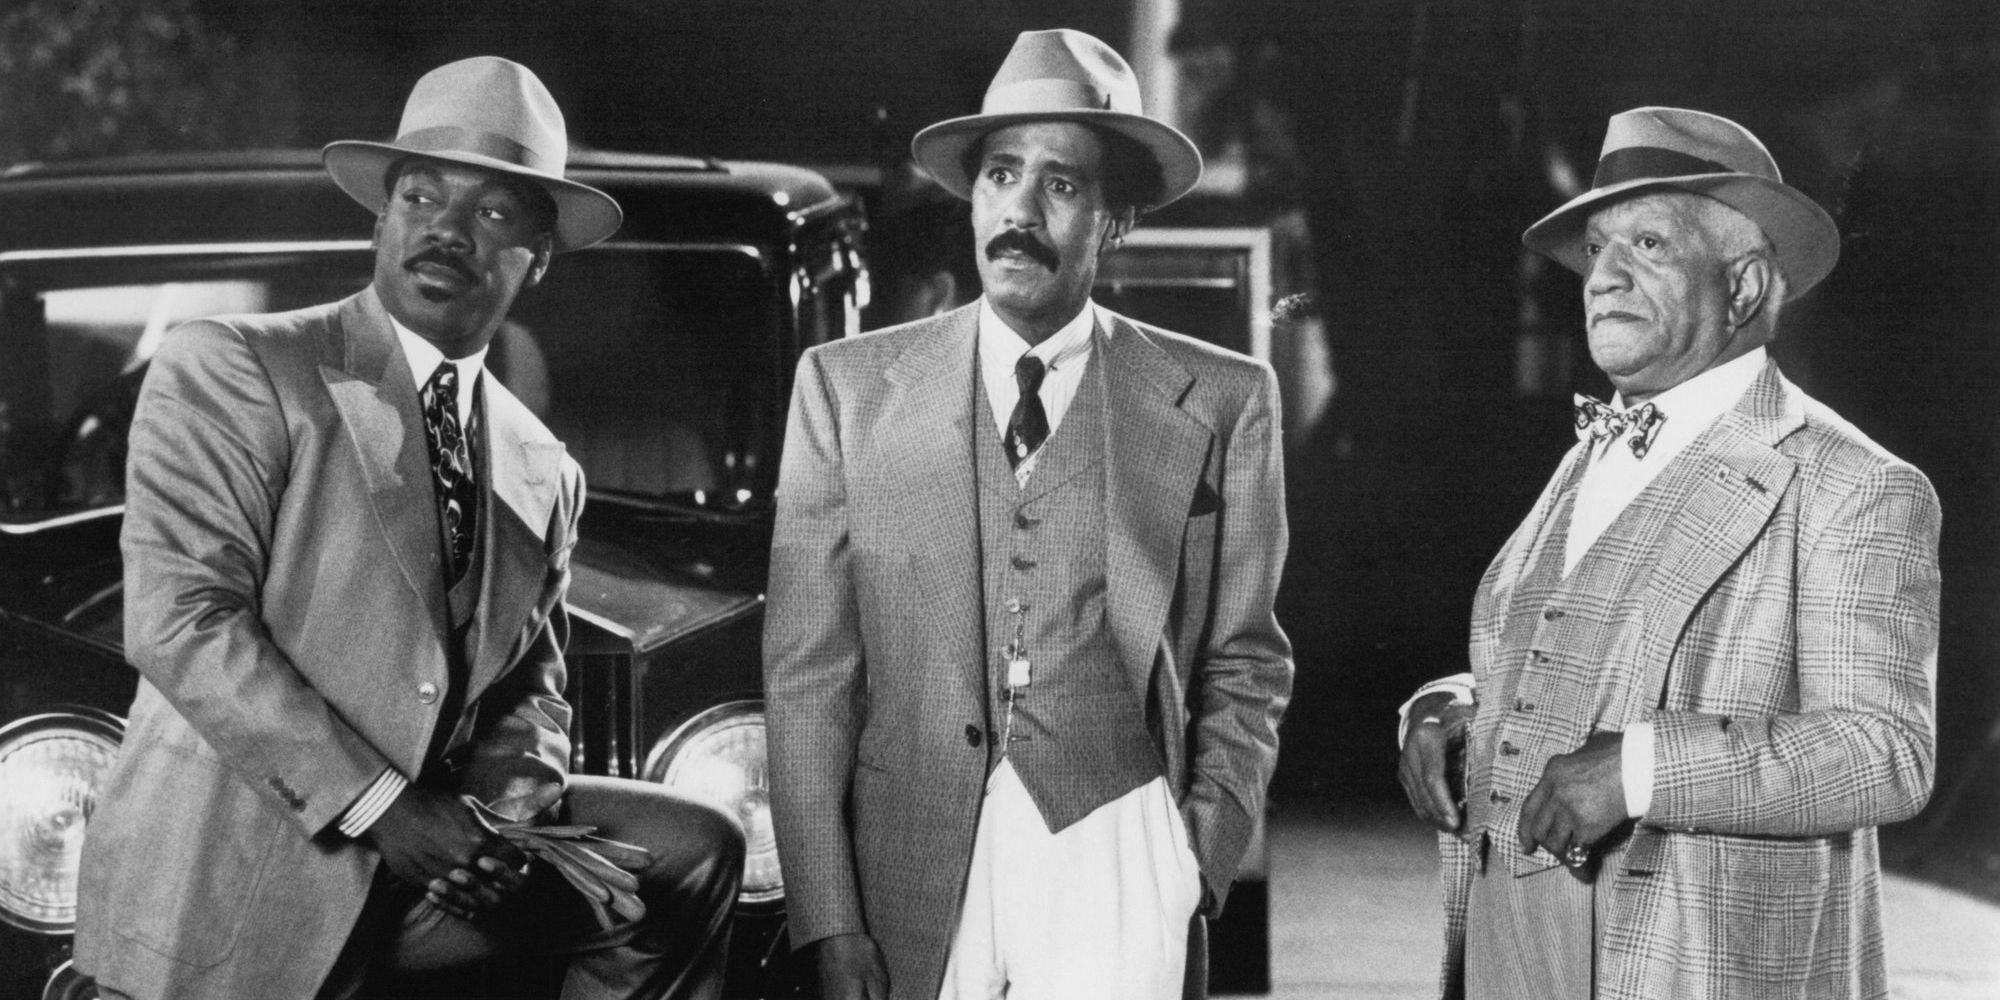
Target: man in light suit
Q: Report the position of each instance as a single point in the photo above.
(346, 552)
(1702, 667)
(1023, 672)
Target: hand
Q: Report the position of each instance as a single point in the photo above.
(1579, 800)
(850, 968)
(1430, 750)
(434, 841)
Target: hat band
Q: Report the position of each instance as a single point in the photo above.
(453, 139)
(1634, 163)
(1046, 94)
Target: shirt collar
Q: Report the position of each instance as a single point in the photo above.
(425, 357)
(1707, 395)
(1000, 347)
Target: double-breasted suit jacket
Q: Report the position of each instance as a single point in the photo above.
(285, 605)
(1782, 639)
(875, 655)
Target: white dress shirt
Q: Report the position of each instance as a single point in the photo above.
(1613, 479)
(1065, 353)
(424, 360)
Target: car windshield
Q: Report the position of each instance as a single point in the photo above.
(659, 367)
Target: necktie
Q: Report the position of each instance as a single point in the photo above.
(1596, 420)
(1029, 426)
(451, 464)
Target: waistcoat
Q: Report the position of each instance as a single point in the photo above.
(1078, 735)
(1556, 675)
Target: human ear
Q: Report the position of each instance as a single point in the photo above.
(1749, 287)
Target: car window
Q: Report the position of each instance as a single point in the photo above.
(658, 367)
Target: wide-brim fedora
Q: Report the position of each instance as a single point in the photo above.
(484, 112)
(1060, 75)
(1649, 149)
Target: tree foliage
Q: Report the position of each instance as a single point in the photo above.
(87, 78)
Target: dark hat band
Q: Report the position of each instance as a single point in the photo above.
(452, 139)
(1636, 163)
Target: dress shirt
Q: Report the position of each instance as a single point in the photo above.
(424, 360)
(1065, 353)
(1612, 480)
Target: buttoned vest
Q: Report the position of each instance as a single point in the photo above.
(1559, 672)
(1078, 736)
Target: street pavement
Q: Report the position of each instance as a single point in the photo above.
(1355, 915)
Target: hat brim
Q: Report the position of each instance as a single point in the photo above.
(1804, 237)
(940, 149)
(584, 215)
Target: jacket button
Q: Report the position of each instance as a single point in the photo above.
(427, 692)
(1023, 563)
(973, 737)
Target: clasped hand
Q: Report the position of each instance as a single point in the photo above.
(1580, 799)
(436, 842)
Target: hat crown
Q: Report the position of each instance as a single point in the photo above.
(1723, 145)
(487, 106)
(1062, 70)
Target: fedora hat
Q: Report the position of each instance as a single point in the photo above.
(1648, 149)
(1060, 75)
(484, 112)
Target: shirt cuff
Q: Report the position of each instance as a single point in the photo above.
(1461, 687)
(1635, 767)
(372, 803)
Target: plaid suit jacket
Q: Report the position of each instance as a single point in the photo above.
(875, 665)
(1789, 627)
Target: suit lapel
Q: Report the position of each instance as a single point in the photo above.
(1155, 456)
(1739, 476)
(927, 441)
(523, 473)
(371, 387)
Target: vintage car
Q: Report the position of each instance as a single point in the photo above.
(663, 358)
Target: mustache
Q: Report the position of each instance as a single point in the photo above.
(446, 258)
(1032, 248)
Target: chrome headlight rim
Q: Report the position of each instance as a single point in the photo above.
(56, 721)
(669, 751)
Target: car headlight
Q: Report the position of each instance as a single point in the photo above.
(718, 757)
(51, 766)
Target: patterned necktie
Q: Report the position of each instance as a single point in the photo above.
(1029, 426)
(451, 464)
(1596, 420)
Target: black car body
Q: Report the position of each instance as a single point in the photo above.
(662, 358)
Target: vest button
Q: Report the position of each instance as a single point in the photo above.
(1541, 657)
(973, 737)
(1523, 705)
(1024, 522)
(427, 692)
(1508, 749)
(1023, 563)
(1497, 797)
(1551, 615)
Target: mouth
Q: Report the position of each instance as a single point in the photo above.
(441, 271)
(1615, 316)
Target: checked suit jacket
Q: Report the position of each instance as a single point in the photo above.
(285, 606)
(1784, 645)
(875, 657)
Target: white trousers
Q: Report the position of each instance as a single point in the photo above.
(1098, 911)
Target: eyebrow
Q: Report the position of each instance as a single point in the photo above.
(1052, 166)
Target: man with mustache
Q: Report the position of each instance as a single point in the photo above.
(1702, 668)
(1023, 672)
(346, 551)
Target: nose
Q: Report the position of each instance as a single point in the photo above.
(1608, 271)
(450, 226)
(1022, 208)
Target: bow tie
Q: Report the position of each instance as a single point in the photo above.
(1596, 420)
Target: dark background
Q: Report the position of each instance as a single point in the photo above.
(1424, 132)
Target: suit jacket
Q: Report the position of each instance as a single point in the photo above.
(285, 604)
(875, 658)
(1785, 643)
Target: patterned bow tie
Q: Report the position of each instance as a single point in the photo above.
(1596, 420)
